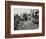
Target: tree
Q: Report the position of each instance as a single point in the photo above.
(16, 22)
(25, 16)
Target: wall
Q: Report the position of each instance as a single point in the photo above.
(2, 20)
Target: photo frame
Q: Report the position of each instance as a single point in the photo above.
(13, 7)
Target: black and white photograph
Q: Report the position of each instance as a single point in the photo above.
(26, 19)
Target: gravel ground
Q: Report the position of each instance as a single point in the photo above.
(27, 25)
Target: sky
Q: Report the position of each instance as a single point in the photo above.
(22, 10)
